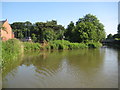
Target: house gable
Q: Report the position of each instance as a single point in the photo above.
(7, 33)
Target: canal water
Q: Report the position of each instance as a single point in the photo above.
(84, 68)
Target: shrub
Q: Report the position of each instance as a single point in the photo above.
(59, 44)
(77, 45)
(11, 49)
(94, 45)
(29, 46)
(63, 44)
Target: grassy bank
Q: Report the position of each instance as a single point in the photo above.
(29, 46)
(113, 43)
(13, 47)
(63, 44)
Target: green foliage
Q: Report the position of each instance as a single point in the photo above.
(0, 53)
(63, 44)
(116, 36)
(94, 45)
(49, 35)
(20, 35)
(69, 33)
(34, 38)
(77, 45)
(29, 46)
(110, 36)
(87, 29)
(59, 44)
(11, 49)
(39, 31)
(119, 28)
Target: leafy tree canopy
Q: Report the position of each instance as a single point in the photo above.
(86, 29)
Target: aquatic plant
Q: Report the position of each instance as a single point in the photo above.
(30, 46)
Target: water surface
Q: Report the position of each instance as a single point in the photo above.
(84, 68)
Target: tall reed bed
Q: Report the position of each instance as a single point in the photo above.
(30, 46)
(11, 49)
(63, 44)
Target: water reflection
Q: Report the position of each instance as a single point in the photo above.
(84, 68)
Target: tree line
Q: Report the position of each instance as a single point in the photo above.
(86, 29)
(115, 36)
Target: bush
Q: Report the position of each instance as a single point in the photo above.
(11, 49)
(63, 44)
(59, 44)
(29, 46)
(77, 45)
(94, 45)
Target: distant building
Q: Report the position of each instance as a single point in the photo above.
(27, 39)
(7, 32)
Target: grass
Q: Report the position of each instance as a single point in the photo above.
(77, 45)
(29, 46)
(63, 44)
(94, 45)
(11, 49)
(59, 44)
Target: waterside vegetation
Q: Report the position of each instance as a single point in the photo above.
(86, 29)
(14, 47)
(113, 40)
(87, 32)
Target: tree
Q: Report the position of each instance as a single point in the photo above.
(48, 31)
(85, 32)
(69, 33)
(110, 36)
(20, 35)
(34, 38)
(18, 28)
(28, 26)
(49, 35)
(118, 28)
(116, 36)
(87, 29)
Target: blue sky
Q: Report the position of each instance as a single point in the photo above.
(63, 12)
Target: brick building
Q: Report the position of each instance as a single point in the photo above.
(7, 32)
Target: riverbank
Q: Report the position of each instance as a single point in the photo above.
(112, 43)
(63, 44)
(14, 47)
(10, 50)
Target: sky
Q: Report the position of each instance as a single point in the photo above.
(63, 12)
(119, 12)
